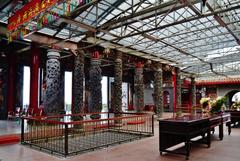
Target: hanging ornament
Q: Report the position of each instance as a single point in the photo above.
(9, 38)
(34, 28)
(76, 3)
(80, 2)
(49, 18)
(64, 7)
(72, 7)
(128, 60)
(96, 55)
(69, 9)
(107, 51)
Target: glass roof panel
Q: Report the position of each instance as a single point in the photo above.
(183, 33)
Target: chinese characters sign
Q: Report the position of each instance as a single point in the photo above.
(42, 12)
(28, 12)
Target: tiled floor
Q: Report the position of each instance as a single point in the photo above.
(140, 150)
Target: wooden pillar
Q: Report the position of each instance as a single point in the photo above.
(11, 82)
(35, 61)
(174, 79)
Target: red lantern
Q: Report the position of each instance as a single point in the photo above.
(96, 55)
(139, 65)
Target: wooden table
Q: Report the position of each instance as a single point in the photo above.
(176, 130)
(235, 116)
(220, 120)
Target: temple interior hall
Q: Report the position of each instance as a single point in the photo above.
(109, 80)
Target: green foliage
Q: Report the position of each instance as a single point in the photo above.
(217, 105)
(179, 113)
(235, 106)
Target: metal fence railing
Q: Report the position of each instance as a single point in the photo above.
(62, 135)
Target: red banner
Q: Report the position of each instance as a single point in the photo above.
(28, 12)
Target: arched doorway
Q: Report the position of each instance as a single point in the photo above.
(230, 95)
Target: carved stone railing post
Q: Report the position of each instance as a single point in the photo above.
(139, 87)
(95, 86)
(52, 105)
(78, 80)
(118, 83)
(158, 91)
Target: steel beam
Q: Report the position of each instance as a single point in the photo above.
(76, 13)
(78, 24)
(48, 40)
(181, 21)
(150, 12)
(222, 23)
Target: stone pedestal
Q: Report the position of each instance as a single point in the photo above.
(52, 105)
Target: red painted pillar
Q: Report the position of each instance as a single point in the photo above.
(35, 54)
(11, 82)
(174, 78)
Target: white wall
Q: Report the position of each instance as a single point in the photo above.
(225, 89)
(148, 99)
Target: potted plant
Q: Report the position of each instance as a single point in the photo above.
(205, 104)
(235, 106)
(217, 105)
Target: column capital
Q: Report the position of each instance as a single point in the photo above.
(118, 57)
(118, 53)
(158, 67)
(53, 54)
